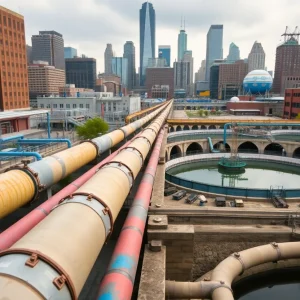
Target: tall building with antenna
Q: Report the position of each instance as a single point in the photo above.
(287, 60)
(147, 38)
(182, 41)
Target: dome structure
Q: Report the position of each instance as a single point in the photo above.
(234, 99)
(258, 82)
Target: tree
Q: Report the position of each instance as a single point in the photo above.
(92, 128)
(298, 116)
(201, 112)
(206, 113)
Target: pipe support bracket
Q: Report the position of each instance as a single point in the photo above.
(39, 272)
(95, 205)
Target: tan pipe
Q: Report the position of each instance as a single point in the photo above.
(190, 290)
(219, 288)
(72, 236)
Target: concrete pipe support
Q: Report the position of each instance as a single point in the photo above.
(69, 239)
(43, 174)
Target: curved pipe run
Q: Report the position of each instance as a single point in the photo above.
(219, 288)
(119, 279)
(71, 237)
(52, 169)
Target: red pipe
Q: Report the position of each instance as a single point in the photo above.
(24, 225)
(119, 279)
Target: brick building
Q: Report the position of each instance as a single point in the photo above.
(160, 82)
(231, 78)
(287, 64)
(14, 92)
(44, 79)
(109, 83)
(291, 103)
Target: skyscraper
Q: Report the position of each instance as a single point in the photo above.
(287, 63)
(182, 44)
(182, 76)
(200, 75)
(188, 57)
(165, 52)
(147, 38)
(13, 71)
(120, 68)
(49, 46)
(256, 58)
(234, 53)
(129, 53)
(108, 55)
(81, 72)
(70, 52)
(214, 47)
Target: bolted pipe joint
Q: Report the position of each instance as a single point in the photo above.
(193, 290)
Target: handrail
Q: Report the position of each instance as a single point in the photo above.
(44, 141)
(21, 154)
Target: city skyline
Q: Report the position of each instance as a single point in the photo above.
(47, 15)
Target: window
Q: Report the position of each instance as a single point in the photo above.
(68, 106)
(61, 106)
(74, 105)
(54, 105)
(42, 105)
(87, 106)
(80, 105)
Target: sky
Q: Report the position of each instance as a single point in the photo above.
(89, 25)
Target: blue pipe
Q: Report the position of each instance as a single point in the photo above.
(21, 154)
(255, 124)
(48, 125)
(45, 141)
(211, 146)
(11, 138)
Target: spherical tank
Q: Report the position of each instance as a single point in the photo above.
(258, 82)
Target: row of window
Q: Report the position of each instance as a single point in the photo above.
(12, 54)
(297, 105)
(11, 23)
(68, 106)
(16, 103)
(14, 84)
(13, 74)
(294, 94)
(6, 94)
(13, 65)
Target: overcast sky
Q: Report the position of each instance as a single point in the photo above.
(89, 25)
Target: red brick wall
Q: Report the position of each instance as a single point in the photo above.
(291, 103)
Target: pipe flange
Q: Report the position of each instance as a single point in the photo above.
(95, 205)
(106, 211)
(144, 138)
(276, 247)
(94, 144)
(122, 167)
(136, 151)
(124, 132)
(237, 256)
(34, 259)
(38, 187)
(221, 285)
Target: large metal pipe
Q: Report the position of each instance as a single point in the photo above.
(119, 279)
(219, 286)
(53, 168)
(20, 228)
(56, 256)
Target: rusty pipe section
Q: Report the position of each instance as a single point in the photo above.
(219, 288)
(16, 190)
(192, 290)
(54, 259)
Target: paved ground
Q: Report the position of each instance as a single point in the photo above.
(248, 205)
